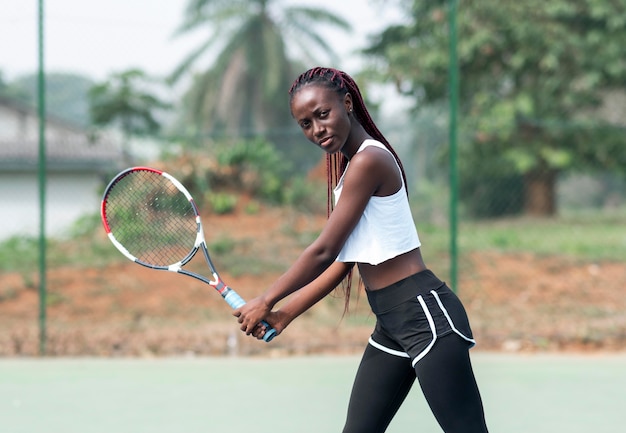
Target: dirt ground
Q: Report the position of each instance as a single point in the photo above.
(516, 302)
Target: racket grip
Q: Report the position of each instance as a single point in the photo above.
(235, 301)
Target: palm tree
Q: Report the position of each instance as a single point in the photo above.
(243, 93)
(127, 100)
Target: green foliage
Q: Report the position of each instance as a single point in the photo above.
(428, 202)
(306, 195)
(258, 166)
(18, 253)
(596, 235)
(127, 99)
(265, 173)
(85, 225)
(488, 197)
(244, 91)
(256, 153)
(253, 168)
(221, 203)
(580, 235)
(221, 246)
(252, 208)
(533, 75)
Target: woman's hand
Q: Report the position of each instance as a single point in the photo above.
(250, 314)
(276, 319)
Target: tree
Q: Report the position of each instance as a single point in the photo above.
(533, 74)
(126, 100)
(244, 91)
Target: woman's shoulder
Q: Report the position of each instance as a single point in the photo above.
(372, 161)
(372, 152)
(370, 142)
(369, 155)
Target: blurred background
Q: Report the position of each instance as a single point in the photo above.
(510, 118)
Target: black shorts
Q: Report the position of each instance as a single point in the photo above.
(413, 313)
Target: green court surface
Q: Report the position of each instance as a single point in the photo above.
(521, 393)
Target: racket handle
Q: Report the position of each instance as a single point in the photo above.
(235, 301)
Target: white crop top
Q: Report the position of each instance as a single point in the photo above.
(386, 228)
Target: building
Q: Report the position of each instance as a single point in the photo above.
(78, 165)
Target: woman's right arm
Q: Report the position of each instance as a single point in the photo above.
(303, 299)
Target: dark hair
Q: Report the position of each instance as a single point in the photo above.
(343, 84)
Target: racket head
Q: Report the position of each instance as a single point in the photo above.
(151, 218)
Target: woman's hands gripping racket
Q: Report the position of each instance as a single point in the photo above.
(152, 219)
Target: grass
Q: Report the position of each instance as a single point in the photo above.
(589, 236)
(86, 246)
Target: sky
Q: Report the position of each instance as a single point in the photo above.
(98, 38)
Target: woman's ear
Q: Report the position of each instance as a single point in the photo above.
(347, 100)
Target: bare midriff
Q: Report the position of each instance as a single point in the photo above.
(391, 271)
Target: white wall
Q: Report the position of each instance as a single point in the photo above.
(14, 124)
(68, 196)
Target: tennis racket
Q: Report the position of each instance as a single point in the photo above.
(152, 219)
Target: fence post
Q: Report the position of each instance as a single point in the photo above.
(453, 100)
(41, 103)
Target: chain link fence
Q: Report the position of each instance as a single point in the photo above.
(532, 243)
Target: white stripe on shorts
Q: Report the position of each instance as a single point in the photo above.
(445, 312)
(433, 329)
(388, 350)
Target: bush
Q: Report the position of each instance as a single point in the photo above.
(257, 166)
(221, 203)
(254, 168)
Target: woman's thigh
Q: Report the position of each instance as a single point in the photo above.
(448, 383)
(381, 384)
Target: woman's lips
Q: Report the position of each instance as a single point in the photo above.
(324, 142)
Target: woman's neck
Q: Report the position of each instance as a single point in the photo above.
(357, 136)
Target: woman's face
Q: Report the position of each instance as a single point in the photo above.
(323, 116)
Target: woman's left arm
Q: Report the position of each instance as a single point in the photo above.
(305, 298)
(361, 182)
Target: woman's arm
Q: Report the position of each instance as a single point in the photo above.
(368, 171)
(306, 297)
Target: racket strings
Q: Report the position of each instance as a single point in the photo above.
(151, 218)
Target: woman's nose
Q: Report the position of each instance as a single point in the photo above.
(318, 129)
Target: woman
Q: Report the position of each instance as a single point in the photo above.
(422, 329)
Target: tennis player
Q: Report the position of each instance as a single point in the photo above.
(422, 330)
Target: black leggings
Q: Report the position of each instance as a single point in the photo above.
(445, 375)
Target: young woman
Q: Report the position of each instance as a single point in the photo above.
(422, 329)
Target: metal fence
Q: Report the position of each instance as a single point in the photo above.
(508, 241)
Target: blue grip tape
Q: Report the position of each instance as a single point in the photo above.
(235, 301)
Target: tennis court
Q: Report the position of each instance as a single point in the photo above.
(522, 393)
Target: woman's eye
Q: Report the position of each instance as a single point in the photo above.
(324, 114)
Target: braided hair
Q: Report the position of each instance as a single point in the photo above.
(336, 163)
(342, 83)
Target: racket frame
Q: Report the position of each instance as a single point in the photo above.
(229, 295)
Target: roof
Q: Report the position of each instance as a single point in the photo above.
(70, 155)
(68, 146)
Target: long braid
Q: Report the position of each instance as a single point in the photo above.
(343, 83)
(336, 163)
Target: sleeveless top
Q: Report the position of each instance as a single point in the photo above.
(386, 228)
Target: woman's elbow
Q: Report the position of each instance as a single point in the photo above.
(324, 256)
